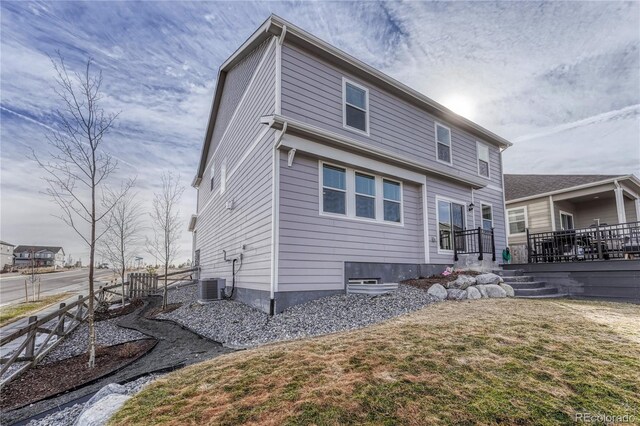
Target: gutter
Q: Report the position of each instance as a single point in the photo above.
(275, 215)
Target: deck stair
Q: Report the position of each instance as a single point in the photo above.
(526, 286)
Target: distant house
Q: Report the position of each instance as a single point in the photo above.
(6, 254)
(38, 256)
(549, 203)
(319, 173)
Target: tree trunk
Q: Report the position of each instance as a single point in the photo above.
(92, 253)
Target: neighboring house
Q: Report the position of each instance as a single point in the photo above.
(547, 203)
(6, 254)
(38, 256)
(318, 169)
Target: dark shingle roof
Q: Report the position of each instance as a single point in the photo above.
(4, 243)
(21, 249)
(520, 186)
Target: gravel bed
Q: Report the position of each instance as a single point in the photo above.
(182, 293)
(238, 325)
(107, 334)
(68, 416)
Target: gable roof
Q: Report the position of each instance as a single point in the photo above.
(21, 249)
(276, 26)
(523, 186)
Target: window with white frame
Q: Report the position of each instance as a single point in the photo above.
(334, 189)
(359, 195)
(223, 177)
(517, 220)
(355, 106)
(487, 216)
(392, 201)
(566, 220)
(450, 219)
(365, 196)
(212, 171)
(483, 159)
(443, 143)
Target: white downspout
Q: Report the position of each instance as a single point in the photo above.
(275, 216)
(622, 217)
(552, 210)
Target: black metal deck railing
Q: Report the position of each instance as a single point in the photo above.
(598, 242)
(474, 241)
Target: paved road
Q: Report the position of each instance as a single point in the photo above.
(74, 281)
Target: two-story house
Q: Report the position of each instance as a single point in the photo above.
(6, 255)
(317, 170)
(38, 256)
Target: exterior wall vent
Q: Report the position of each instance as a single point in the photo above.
(370, 286)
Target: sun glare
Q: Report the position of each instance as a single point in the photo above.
(461, 105)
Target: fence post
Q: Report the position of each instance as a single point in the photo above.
(528, 246)
(493, 245)
(61, 317)
(31, 339)
(480, 256)
(79, 311)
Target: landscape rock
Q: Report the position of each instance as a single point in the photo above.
(473, 293)
(508, 289)
(109, 389)
(488, 279)
(482, 289)
(463, 282)
(495, 291)
(100, 412)
(456, 294)
(437, 291)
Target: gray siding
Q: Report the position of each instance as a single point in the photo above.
(312, 92)
(313, 248)
(249, 180)
(630, 210)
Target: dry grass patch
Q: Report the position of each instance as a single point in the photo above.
(11, 313)
(482, 362)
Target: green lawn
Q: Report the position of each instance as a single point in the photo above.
(507, 361)
(11, 313)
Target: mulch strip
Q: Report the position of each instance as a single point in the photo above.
(151, 313)
(114, 313)
(425, 282)
(47, 380)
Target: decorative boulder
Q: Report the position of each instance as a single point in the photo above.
(463, 282)
(488, 279)
(456, 294)
(483, 291)
(473, 293)
(106, 390)
(495, 291)
(100, 412)
(437, 291)
(508, 289)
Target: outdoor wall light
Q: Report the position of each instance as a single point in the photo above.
(471, 206)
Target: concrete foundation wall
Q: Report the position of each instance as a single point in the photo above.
(614, 280)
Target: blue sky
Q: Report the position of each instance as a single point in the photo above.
(561, 80)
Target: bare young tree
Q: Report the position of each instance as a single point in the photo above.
(122, 237)
(78, 168)
(165, 223)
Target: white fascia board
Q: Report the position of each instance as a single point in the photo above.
(562, 191)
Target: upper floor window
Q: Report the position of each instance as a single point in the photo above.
(212, 171)
(483, 159)
(355, 110)
(517, 220)
(223, 177)
(359, 195)
(443, 143)
(487, 217)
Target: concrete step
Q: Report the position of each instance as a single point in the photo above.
(532, 292)
(518, 279)
(508, 272)
(528, 285)
(544, 296)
